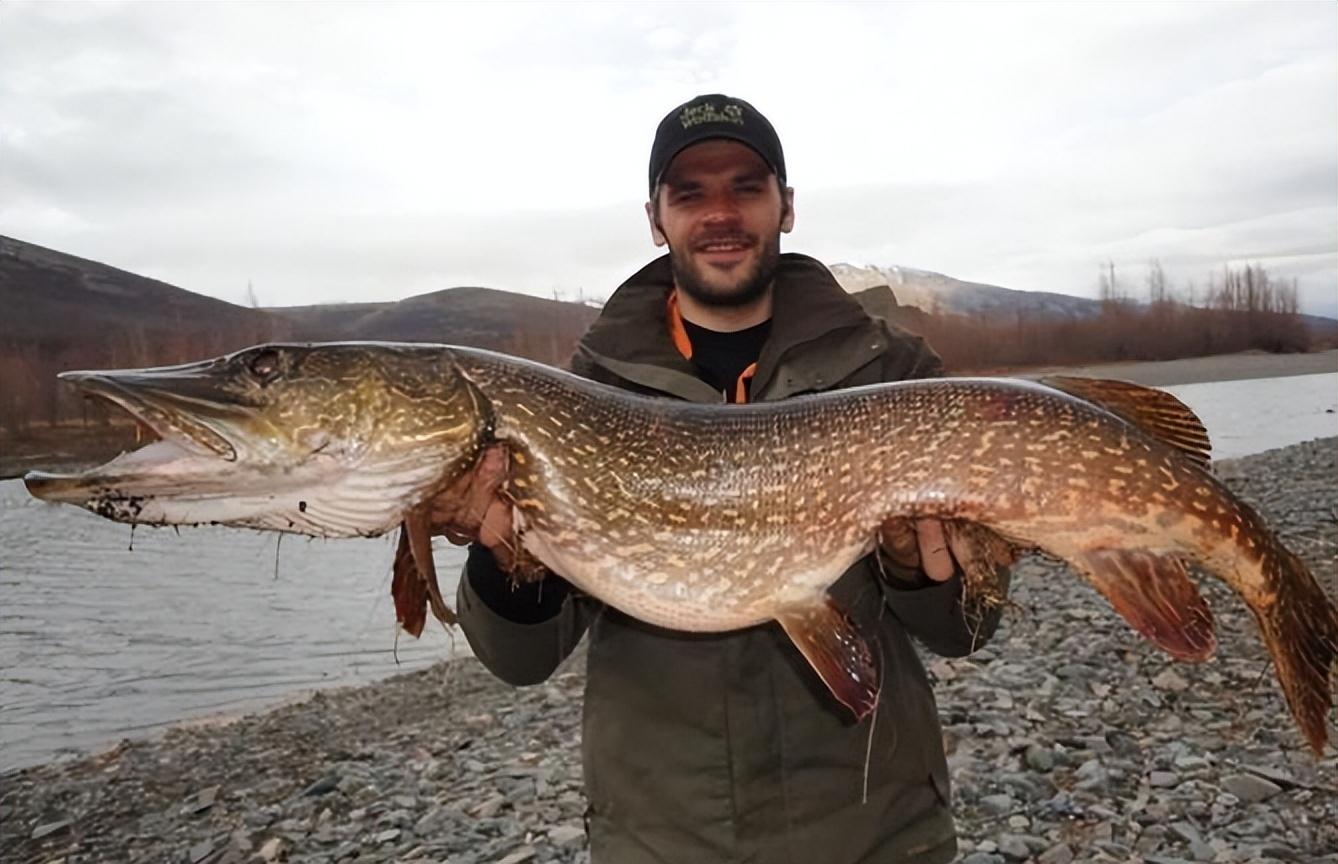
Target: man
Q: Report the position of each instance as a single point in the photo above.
(726, 747)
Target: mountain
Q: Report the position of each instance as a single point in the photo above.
(65, 312)
(62, 305)
(936, 293)
(541, 329)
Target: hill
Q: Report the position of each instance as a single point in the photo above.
(66, 312)
(61, 304)
(534, 327)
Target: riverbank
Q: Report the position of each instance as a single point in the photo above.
(1070, 739)
(1197, 370)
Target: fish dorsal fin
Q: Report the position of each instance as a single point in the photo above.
(832, 644)
(1154, 411)
(1156, 596)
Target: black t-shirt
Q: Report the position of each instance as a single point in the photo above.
(720, 358)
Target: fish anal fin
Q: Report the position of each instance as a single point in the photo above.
(831, 642)
(407, 589)
(1154, 411)
(1156, 596)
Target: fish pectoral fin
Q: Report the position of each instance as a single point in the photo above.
(1156, 596)
(418, 526)
(833, 645)
(414, 583)
(1154, 411)
(407, 589)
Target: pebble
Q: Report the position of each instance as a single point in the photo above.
(1063, 750)
(41, 832)
(1249, 788)
(1060, 854)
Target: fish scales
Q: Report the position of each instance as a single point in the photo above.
(713, 518)
(805, 483)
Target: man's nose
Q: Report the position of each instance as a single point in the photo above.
(722, 209)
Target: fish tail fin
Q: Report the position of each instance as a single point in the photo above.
(1300, 629)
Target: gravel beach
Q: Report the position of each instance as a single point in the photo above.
(1070, 739)
(1194, 370)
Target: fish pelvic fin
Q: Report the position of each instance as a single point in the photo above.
(1300, 628)
(1156, 596)
(1154, 411)
(843, 657)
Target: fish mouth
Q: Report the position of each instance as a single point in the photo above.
(193, 419)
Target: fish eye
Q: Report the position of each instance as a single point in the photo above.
(266, 365)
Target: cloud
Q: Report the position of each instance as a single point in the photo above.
(372, 151)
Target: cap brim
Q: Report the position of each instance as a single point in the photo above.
(713, 136)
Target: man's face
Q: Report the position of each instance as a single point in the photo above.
(721, 212)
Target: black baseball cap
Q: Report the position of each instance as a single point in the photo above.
(714, 116)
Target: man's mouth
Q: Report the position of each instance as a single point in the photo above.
(725, 251)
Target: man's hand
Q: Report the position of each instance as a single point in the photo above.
(918, 544)
(470, 508)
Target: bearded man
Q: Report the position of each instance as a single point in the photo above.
(702, 748)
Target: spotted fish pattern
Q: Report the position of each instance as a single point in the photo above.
(711, 518)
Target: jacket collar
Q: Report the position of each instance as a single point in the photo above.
(631, 337)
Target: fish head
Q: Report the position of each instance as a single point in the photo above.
(337, 439)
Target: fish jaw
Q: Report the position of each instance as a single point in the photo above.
(165, 484)
(280, 437)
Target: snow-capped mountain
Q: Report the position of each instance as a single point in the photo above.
(936, 293)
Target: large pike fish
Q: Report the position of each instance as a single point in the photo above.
(713, 518)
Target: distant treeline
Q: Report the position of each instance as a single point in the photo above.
(1237, 310)
(1240, 309)
(31, 395)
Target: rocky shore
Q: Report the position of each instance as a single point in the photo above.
(1070, 739)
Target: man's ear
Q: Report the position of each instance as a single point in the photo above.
(787, 210)
(655, 233)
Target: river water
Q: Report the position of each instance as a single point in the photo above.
(99, 642)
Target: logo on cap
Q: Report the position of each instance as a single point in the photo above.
(706, 112)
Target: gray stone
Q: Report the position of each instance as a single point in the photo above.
(41, 832)
(323, 786)
(1163, 779)
(1249, 788)
(1040, 758)
(1170, 680)
(983, 858)
(1059, 854)
(387, 836)
(520, 856)
(997, 805)
(1249, 828)
(564, 836)
(1014, 847)
(271, 849)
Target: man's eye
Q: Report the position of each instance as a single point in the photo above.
(686, 195)
(748, 188)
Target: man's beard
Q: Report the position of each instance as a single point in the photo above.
(745, 289)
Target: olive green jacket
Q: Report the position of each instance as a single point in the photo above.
(702, 748)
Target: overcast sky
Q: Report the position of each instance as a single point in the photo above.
(348, 152)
